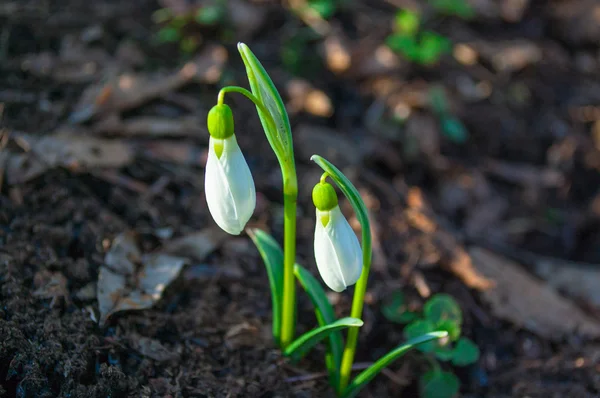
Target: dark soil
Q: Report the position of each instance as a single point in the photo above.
(209, 335)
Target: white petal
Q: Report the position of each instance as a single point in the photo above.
(337, 251)
(229, 187)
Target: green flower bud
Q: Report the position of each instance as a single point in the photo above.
(324, 196)
(220, 122)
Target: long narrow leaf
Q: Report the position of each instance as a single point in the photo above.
(353, 196)
(263, 88)
(368, 374)
(360, 209)
(308, 340)
(272, 255)
(325, 315)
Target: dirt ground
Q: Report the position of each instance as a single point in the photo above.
(103, 145)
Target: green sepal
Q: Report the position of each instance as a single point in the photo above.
(299, 347)
(220, 122)
(272, 255)
(324, 196)
(325, 315)
(368, 374)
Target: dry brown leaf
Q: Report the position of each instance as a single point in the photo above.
(51, 285)
(196, 245)
(458, 261)
(525, 175)
(130, 90)
(151, 126)
(509, 56)
(580, 281)
(528, 302)
(133, 281)
(336, 147)
(153, 349)
(64, 149)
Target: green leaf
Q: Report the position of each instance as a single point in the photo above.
(431, 47)
(406, 45)
(272, 255)
(299, 347)
(438, 384)
(325, 315)
(325, 8)
(419, 328)
(439, 101)
(210, 15)
(442, 307)
(168, 35)
(454, 130)
(368, 374)
(189, 44)
(396, 310)
(407, 22)
(263, 88)
(459, 8)
(443, 352)
(465, 352)
(450, 326)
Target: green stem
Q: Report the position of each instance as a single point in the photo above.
(278, 148)
(290, 195)
(357, 308)
(288, 316)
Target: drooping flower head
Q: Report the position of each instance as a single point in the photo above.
(228, 183)
(337, 251)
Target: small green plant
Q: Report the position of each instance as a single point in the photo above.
(324, 8)
(340, 258)
(424, 47)
(440, 312)
(450, 125)
(182, 26)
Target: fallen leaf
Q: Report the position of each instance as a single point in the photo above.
(64, 148)
(133, 281)
(153, 349)
(196, 245)
(130, 90)
(577, 21)
(336, 147)
(525, 175)
(247, 17)
(151, 126)
(509, 56)
(50, 285)
(241, 335)
(528, 302)
(580, 281)
(180, 152)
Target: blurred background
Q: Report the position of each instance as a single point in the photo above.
(470, 127)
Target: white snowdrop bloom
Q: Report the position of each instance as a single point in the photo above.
(337, 251)
(228, 183)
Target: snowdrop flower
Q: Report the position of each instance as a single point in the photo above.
(337, 251)
(228, 183)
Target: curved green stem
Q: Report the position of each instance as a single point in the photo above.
(361, 286)
(277, 146)
(290, 195)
